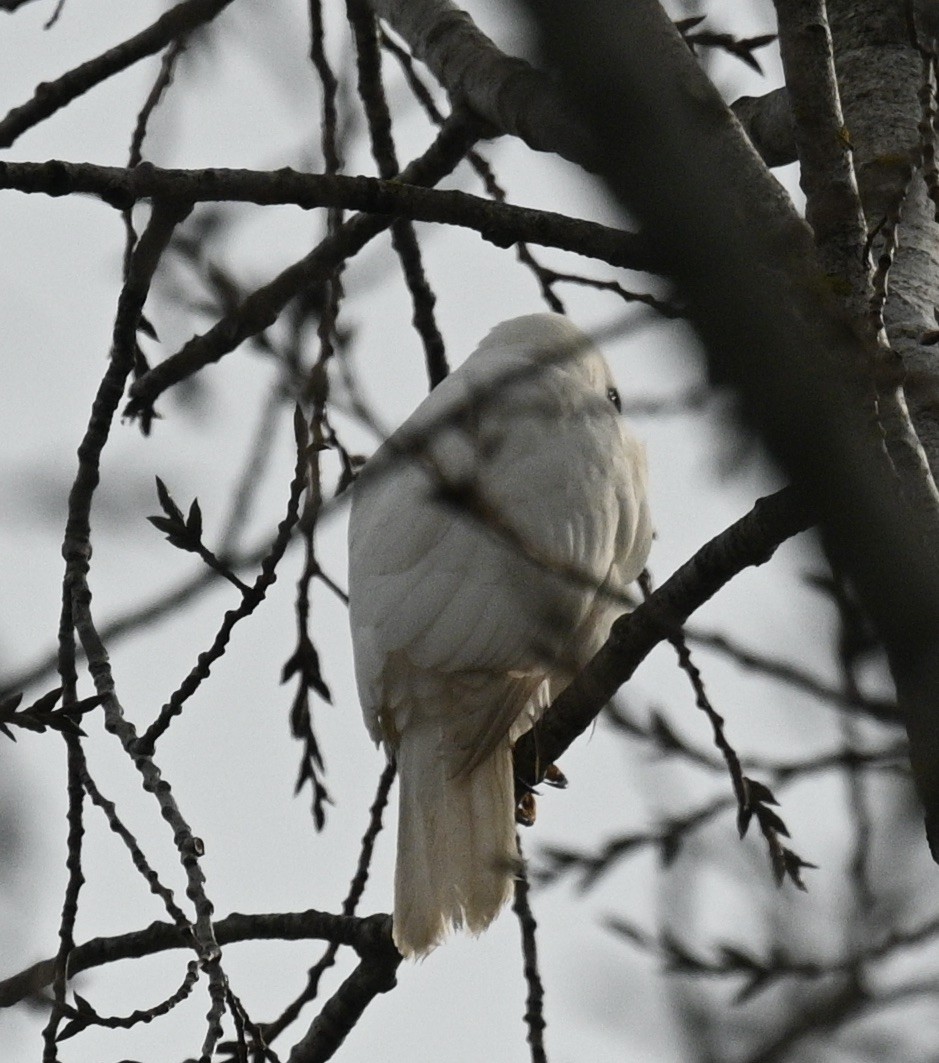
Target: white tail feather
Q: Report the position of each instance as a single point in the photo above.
(457, 858)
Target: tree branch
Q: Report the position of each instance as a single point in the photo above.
(500, 224)
(752, 540)
(52, 96)
(503, 90)
(362, 934)
(833, 205)
(767, 121)
(377, 973)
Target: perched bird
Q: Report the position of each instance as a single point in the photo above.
(491, 540)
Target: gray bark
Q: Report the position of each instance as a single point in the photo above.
(767, 121)
(880, 72)
(504, 90)
(833, 209)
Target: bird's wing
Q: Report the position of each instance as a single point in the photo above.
(455, 596)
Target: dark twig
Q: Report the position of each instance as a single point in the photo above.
(358, 933)
(329, 142)
(753, 798)
(136, 853)
(375, 974)
(162, 82)
(83, 1014)
(752, 540)
(478, 163)
(304, 663)
(262, 1052)
(499, 223)
(534, 1002)
(251, 599)
(403, 236)
(703, 702)
(51, 96)
(661, 306)
(349, 906)
(185, 533)
(54, 17)
(76, 879)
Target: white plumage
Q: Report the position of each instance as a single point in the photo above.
(470, 613)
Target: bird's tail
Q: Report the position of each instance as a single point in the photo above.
(457, 857)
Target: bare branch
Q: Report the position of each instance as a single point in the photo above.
(752, 540)
(505, 91)
(377, 973)
(534, 1003)
(767, 121)
(54, 95)
(499, 223)
(361, 934)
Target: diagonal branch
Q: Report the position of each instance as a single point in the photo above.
(503, 90)
(52, 96)
(376, 973)
(262, 308)
(752, 540)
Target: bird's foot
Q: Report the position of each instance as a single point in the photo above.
(553, 776)
(526, 810)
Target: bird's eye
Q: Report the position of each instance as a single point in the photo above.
(613, 395)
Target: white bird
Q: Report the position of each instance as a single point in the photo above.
(491, 540)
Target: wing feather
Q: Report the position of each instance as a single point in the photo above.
(550, 459)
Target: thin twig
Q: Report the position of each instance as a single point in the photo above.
(263, 306)
(534, 1002)
(273, 1029)
(251, 599)
(51, 96)
(403, 235)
